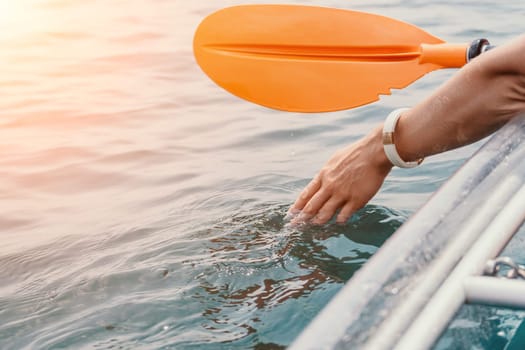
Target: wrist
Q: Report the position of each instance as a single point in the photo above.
(378, 157)
(390, 137)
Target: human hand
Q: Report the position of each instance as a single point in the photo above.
(482, 97)
(350, 178)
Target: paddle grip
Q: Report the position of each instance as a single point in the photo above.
(477, 47)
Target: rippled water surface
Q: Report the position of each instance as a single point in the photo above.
(142, 207)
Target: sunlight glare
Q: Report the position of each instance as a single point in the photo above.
(10, 11)
(16, 15)
(21, 17)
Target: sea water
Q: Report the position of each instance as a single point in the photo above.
(143, 207)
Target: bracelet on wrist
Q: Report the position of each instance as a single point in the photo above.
(389, 140)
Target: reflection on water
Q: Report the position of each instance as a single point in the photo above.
(243, 286)
(484, 327)
(260, 271)
(143, 207)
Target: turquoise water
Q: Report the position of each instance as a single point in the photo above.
(487, 327)
(142, 207)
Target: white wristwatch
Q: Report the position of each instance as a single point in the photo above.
(389, 141)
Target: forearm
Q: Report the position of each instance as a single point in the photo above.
(478, 100)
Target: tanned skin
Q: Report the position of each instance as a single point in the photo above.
(484, 95)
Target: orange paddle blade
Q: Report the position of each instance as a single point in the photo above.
(315, 59)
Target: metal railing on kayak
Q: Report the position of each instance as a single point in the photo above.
(408, 292)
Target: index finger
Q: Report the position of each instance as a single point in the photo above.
(309, 191)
